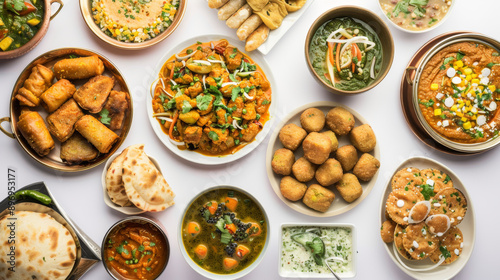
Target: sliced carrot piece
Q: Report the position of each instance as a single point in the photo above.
(242, 251)
(330, 53)
(171, 129)
(229, 263)
(231, 227)
(231, 203)
(254, 230)
(201, 251)
(193, 228)
(353, 52)
(212, 206)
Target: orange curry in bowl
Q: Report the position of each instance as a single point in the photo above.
(459, 92)
(211, 98)
(136, 251)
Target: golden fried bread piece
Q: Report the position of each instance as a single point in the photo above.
(318, 198)
(61, 123)
(387, 231)
(57, 94)
(399, 231)
(349, 187)
(291, 136)
(292, 189)
(363, 138)
(419, 242)
(303, 170)
(282, 161)
(451, 244)
(347, 156)
(77, 149)
(312, 119)
(450, 202)
(335, 142)
(366, 167)
(407, 177)
(94, 93)
(400, 202)
(317, 147)
(340, 121)
(329, 173)
(117, 106)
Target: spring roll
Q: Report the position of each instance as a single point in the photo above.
(93, 94)
(77, 149)
(61, 123)
(96, 133)
(239, 17)
(230, 8)
(257, 38)
(78, 68)
(35, 132)
(215, 4)
(117, 107)
(57, 94)
(249, 26)
(39, 81)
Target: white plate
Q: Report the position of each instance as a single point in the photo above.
(339, 205)
(197, 157)
(290, 274)
(288, 21)
(467, 226)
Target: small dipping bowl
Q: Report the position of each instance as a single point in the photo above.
(134, 220)
(372, 20)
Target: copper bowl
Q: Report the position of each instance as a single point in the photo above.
(375, 22)
(86, 10)
(47, 17)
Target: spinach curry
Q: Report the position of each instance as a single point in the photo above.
(224, 231)
(19, 22)
(346, 53)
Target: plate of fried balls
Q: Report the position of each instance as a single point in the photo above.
(323, 159)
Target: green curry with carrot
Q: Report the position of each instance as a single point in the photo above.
(224, 231)
(19, 22)
(346, 53)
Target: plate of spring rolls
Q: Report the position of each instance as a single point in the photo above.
(260, 23)
(70, 109)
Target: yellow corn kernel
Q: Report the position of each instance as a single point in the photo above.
(468, 78)
(465, 110)
(458, 64)
(1, 22)
(475, 81)
(473, 75)
(117, 32)
(460, 114)
(460, 101)
(472, 124)
(434, 86)
(453, 108)
(5, 43)
(461, 105)
(474, 117)
(467, 71)
(437, 112)
(481, 88)
(467, 102)
(464, 119)
(33, 21)
(467, 125)
(492, 87)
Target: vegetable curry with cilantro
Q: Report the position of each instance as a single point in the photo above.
(224, 231)
(211, 98)
(136, 251)
(19, 22)
(416, 15)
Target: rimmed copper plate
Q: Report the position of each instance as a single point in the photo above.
(406, 97)
(53, 159)
(86, 10)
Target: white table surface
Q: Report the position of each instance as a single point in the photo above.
(80, 194)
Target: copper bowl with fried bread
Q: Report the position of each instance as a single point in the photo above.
(52, 160)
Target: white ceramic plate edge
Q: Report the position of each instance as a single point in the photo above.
(197, 157)
(445, 271)
(298, 205)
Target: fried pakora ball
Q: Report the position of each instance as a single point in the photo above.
(312, 119)
(387, 231)
(340, 121)
(318, 198)
(317, 147)
(291, 136)
(329, 172)
(282, 162)
(347, 156)
(333, 138)
(366, 167)
(303, 170)
(292, 189)
(363, 138)
(349, 187)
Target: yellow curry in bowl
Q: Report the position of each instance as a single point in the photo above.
(224, 231)
(211, 98)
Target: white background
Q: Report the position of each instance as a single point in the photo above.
(80, 194)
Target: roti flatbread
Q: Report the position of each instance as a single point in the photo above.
(114, 182)
(145, 186)
(44, 248)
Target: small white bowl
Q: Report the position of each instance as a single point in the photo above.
(291, 274)
(129, 210)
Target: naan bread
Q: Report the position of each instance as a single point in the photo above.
(145, 186)
(114, 182)
(294, 5)
(45, 249)
(273, 13)
(257, 5)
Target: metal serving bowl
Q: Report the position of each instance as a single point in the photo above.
(461, 147)
(375, 22)
(47, 17)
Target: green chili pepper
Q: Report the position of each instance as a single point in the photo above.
(43, 198)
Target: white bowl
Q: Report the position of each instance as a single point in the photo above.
(211, 275)
(419, 31)
(197, 157)
(291, 274)
(129, 210)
